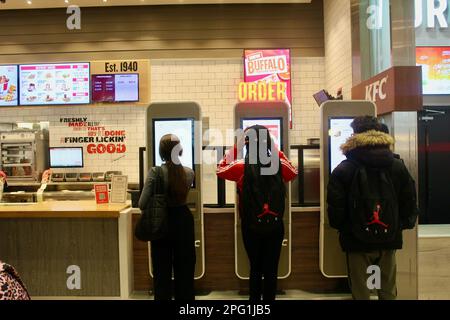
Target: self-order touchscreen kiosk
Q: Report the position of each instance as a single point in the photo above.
(275, 117)
(336, 117)
(184, 120)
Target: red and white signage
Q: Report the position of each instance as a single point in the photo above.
(271, 67)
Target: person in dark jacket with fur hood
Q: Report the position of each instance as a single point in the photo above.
(371, 148)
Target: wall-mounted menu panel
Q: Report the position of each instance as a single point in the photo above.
(8, 85)
(53, 84)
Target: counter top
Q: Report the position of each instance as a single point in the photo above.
(62, 209)
(434, 231)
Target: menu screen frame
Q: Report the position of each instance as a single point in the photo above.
(114, 77)
(54, 103)
(426, 88)
(17, 86)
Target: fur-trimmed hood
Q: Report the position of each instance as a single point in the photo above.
(371, 148)
(366, 139)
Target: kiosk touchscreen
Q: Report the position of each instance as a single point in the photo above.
(273, 125)
(182, 119)
(340, 130)
(336, 117)
(183, 129)
(275, 117)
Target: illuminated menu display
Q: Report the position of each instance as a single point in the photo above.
(435, 62)
(8, 86)
(47, 84)
(115, 88)
(103, 88)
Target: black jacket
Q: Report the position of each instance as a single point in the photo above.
(371, 149)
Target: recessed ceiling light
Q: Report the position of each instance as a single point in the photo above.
(105, 0)
(29, 2)
(66, 1)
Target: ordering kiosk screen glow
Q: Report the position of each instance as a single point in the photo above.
(184, 130)
(273, 125)
(339, 131)
(66, 157)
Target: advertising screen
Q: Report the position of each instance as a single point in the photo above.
(184, 130)
(435, 62)
(62, 157)
(115, 88)
(270, 66)
(53, 84)
(339, 131)
(8, 86)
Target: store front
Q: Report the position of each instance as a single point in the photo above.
(164, 54)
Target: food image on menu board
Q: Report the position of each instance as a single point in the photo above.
(8, 86)
(435, 62)
(62, 83)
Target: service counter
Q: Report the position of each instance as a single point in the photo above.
(69, 248)
(434, 261)
(220, 274)
(54, 244)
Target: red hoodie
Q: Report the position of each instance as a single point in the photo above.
(233, 170)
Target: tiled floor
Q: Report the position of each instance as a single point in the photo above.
(234, 295)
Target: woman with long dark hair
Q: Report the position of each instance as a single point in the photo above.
(260, 178)
(177, 251)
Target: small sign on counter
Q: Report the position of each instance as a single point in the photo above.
(119, 185)
(101, 193)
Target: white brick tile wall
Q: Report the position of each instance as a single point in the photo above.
(211, 83)
(216, 90)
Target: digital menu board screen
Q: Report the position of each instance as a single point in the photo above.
(435, 62)
(115, 88)
(8, 86)
(339, 131)
(51, 84)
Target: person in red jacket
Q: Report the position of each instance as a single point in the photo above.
(3, 182)
(261, 204)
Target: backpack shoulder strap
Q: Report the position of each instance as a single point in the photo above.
(160, 184)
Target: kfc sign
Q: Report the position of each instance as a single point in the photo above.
(396, 89)
(377, 90)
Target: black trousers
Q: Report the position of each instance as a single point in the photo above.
(177, 253)
(264, 254)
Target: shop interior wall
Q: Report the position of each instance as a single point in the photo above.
(338, 46)
(195, 54)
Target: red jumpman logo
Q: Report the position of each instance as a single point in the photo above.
(267, 211)
(376, 218)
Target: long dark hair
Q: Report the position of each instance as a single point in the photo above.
(170, 151)
(258, 185)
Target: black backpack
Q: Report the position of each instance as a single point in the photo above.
(263, 198)
(373, 205)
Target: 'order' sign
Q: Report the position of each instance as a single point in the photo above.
(262, 91)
